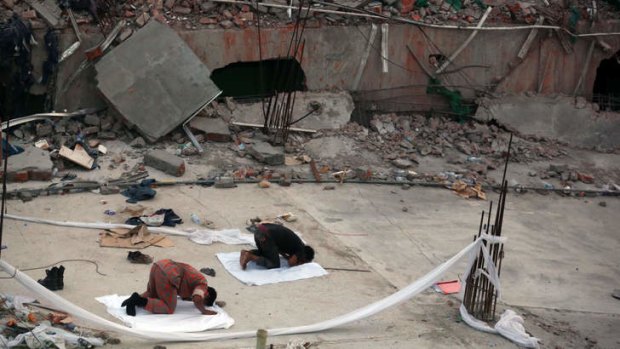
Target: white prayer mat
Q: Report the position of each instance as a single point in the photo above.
(255, 275)
(186, 318)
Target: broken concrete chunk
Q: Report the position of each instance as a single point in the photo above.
(558, 168)
(44, 129)
(92, 120)
(207, 6)
(216, 130)
(125, 34)
(109, 135)
(25, 196)
(90, 130)
(266, 153)
(225, 182)
(182, 10)
(138, 143)
(165, 162)
(226, 24)
(142, 19)
(109, 190)
(402, 163)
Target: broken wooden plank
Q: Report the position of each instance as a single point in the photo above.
(586, 66)
(515, 62)
(294, 129)
(464, 44)
(525, 48)
(364, 60)
(78, 155)
(564, 41)
(385, 27)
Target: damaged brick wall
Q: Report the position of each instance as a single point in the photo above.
(334, 54)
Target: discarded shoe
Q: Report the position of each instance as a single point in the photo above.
(208, 271)
(60, 279)
(139, 257)
(53, 279)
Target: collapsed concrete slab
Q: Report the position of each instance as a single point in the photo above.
(267, 154)
(334, 110)
(155, 81)
(561, 118)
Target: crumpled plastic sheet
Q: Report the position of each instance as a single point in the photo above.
(226, 236)
(510, 325)
(44, 332)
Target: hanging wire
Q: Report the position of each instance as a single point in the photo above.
(5, 158)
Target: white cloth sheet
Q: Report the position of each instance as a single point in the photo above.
(226, 236)
(255, 275)
(186, 317)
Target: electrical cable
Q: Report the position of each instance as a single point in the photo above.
(379, 51)
(61, 261)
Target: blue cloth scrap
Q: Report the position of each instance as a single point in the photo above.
(140, 192)
(10, 149)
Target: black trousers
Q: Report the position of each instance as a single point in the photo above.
(267, 251)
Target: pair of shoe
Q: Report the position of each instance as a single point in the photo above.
(54, 278)
(139, 257)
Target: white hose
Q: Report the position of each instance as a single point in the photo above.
(361, 313)
(162, 230)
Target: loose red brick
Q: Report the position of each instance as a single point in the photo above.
(207, 20)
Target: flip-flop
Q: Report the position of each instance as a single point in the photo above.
(616, 294)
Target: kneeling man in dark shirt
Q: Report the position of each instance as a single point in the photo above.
(273, 240)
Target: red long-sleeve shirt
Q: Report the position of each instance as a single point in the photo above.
(169, 279)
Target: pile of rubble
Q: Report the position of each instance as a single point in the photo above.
(197, 14)
(28, 326)
(408, 137)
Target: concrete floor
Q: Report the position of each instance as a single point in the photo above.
(560, 268)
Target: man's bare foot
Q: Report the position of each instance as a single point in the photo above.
(244, 258)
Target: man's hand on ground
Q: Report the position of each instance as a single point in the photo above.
(292, 261)
(200, 305)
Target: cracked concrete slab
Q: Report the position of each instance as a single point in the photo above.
(155, 81)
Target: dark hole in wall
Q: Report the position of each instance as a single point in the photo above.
(260, 78)
(606, 90)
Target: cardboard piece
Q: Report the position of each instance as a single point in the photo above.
(78, 155)
(136, 238)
